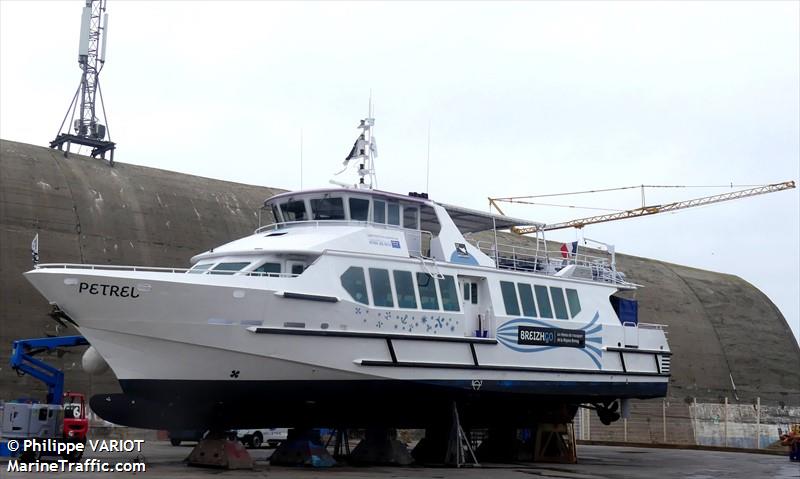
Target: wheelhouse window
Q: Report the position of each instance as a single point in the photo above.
(294, 211)
(393, 210)
(268, 269)
(353, 282)
(543, 299)
(379, 211)
(327, 208)
(200, 268)
(449, 293)
(411, 217)
(427, 292)
(574, 302)
(404, 285)
(558, 302)
(381, 288)
(510, 298)
(359, 209)
(526, 296)
(228, 268)
(276, 214)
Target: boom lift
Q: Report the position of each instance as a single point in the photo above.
(24, 362)
(63, 416)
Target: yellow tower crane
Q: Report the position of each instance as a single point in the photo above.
(641, 211)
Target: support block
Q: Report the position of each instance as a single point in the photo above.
(381, 447)
(302, 447)
(220, 453)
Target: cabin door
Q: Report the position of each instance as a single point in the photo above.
(473, 303)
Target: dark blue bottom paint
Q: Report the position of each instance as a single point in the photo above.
(234, 404)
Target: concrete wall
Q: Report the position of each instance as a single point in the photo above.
(84, 211)
(88, 212)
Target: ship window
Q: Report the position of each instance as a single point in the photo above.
(298, 268)
(510, 298)
(574, 302)
(294, 211)
(379, 212)
(543, 299)
(394, 214)
(327, 208)
(526, 296)
(404, 284)
(381, 289)
(410, 217)
(200, 268)
(466, 291)
(268, 269)
(474, 288)
(429, 221)
(353, 282)
(427, 291)
(449, 293)
(359, 209)
(228, 268)
(558, 302)
(276, 214)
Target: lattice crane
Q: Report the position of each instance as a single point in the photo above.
(644, 210)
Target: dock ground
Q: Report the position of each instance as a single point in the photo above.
(594, 462)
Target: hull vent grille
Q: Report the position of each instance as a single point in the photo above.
(664, 362)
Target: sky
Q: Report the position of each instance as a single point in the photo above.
(520, 98)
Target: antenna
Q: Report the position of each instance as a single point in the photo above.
(88, 130)
(428, 166)
(301, 158)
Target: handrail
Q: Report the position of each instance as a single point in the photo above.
(520, 258)
(414, 252)
(109, 267)
(154, 269)
(660, 327)
(318, 223)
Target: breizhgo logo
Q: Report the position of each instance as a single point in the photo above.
(525, 335)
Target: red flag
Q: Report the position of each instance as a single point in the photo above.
(564, 250)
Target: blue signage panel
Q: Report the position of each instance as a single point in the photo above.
(573, 338)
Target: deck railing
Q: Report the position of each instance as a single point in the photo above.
(535, 260)
(153, 269)
(418, 241)
(109, 267)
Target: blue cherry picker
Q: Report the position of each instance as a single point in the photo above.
(62, 416)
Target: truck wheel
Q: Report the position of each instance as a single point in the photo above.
(256, 440)
(175, 442)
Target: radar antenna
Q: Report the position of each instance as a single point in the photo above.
(88, 130)
(364, 150)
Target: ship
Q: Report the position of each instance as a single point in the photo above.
(360, 307)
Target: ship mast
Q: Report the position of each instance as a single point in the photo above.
(364, 150)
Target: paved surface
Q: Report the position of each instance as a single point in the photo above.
(165, 461)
